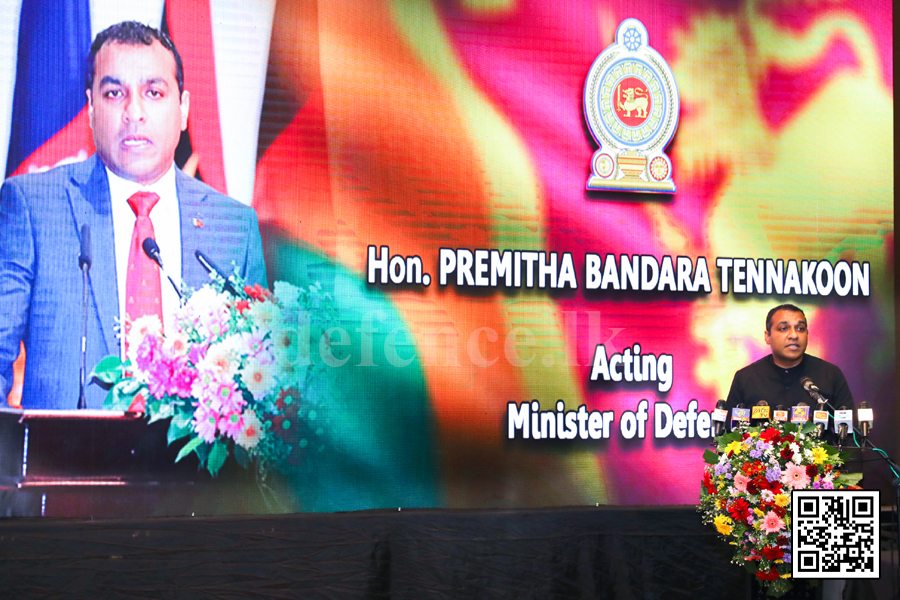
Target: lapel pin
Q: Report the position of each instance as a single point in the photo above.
(198, 223)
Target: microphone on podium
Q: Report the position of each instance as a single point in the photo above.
(84, 263)
(212, 269)
(800, 413)
(760, 413)
(151, 249)
(719, 416)
(866, 418)
(780, 414)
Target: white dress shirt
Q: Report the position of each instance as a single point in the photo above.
(166, 221)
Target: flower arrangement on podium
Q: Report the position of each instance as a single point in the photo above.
(226, 374)
(746, 492)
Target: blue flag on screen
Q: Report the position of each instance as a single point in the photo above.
(54, 40)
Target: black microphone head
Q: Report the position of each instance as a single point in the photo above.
(720, 404)
(151, 249)
(762, 403)
(739, 405)
(808, 384)
(802, 404)
(84, 259)
(782, 407)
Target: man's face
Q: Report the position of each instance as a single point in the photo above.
(135, 110)
(788, 338)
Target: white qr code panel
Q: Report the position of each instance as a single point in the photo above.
(835, 534)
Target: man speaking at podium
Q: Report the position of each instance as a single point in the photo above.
(778, 378)
(128, 191)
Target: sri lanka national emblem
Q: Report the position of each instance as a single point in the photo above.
(631, 107)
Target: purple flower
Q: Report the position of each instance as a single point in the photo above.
(828, 485)
(817, 485)
(722, 469)
(762, 446)
(774, 474)
(755, 453)
(786, 558)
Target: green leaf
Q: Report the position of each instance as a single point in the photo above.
(217, 457)
(848, 479)
(122, 395)
(726, 438)
(808, 427)
(710, 457)
(845, 455)
(241, 456)
(791, 428)
(190, 446)
(178, 428)
(203, 453)
(108, 370)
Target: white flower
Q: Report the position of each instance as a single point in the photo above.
(251, 430)
(207, 310)
(140, 329)
(258, 378)
(263, 315)
(221, 361)
(286, 293)
(177, 344)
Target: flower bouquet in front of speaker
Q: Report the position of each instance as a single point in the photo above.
(229, 375)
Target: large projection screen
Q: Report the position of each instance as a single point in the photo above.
(453, 135)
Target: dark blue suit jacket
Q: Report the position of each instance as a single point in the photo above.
(41, 284)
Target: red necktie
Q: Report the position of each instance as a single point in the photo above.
(143, 294)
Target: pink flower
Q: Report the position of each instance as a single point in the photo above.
(183, 380)
(147, 353)
(794, 476)
(740, 482)
(205, 423)
(231, 424)
(771, 523)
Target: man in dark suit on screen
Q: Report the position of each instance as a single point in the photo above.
(128, 191)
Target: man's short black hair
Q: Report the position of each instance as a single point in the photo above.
(772, 312)
(132, 33)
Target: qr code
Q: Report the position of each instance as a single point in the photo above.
(835, 534)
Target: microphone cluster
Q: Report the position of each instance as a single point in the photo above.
(842, 421)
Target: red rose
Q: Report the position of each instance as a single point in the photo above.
(780, 511)
(789, 438)
(811, 471)
(773, 552)
(787, 453)
(782, 540)
(770, 575)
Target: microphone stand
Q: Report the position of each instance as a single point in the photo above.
(82, 375)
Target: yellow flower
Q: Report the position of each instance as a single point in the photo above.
(758, 512)
(782, 500)
(723, 524)
(819, 455)
(733, 447)
(786, 576)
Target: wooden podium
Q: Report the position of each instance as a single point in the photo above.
(103, 464)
